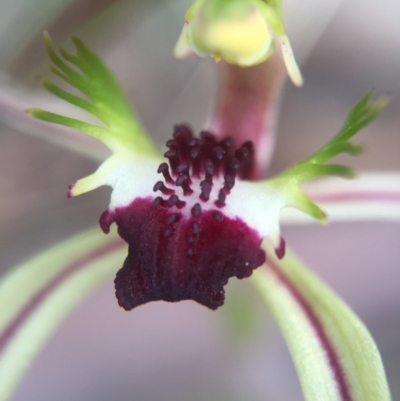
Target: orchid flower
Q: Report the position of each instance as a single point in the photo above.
(199, 215)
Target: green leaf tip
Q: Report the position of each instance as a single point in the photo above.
(363, 113)
(103, 98)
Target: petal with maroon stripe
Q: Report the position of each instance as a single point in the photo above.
(335, 357)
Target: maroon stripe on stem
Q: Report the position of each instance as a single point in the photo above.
(43, 293)
(316, 324)
(367, 196)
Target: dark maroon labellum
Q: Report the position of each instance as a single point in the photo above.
(181, 244)
(173, 257)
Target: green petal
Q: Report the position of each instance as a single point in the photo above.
(335, 357)
(87, 73)
(38, 295)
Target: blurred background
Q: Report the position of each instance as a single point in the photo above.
(183, 351)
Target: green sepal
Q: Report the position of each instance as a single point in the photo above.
(86, 72)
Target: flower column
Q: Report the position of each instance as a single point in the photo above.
(249, 37)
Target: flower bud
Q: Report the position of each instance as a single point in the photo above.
(241, 32)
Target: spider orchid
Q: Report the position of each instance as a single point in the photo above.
(203, 221)
(201, 214)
